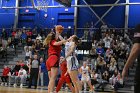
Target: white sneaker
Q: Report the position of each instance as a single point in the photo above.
(1, 84)
(21, 85)
(5, 84)
(15, 85)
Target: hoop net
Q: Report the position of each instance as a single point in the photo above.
(43, 5)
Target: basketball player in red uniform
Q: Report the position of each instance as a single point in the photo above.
(64, 76)
(54, 50)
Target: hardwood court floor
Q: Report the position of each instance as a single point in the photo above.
(25, 90)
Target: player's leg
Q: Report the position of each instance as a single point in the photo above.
(75, 80)
(68, 81)
(54, 72)
(60, 83)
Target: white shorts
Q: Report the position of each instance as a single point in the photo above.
(72, 63)
(85, 78)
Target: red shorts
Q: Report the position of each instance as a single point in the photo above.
(52, 61)
(66, 79)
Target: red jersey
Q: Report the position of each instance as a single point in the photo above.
(54, 49)
(63, 68)
(5, 71)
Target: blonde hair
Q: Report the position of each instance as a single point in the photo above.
(49, 37)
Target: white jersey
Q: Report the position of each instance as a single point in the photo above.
(85, 74)
(67, 48)
(85, 71)
(72, 62)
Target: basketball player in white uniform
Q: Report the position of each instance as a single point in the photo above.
(84, 70)
(72, 62)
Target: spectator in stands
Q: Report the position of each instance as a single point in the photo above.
(97, 78)
(107, 41)
(16, 38)
(29, 43)
(104, 28)
(22, 75)
(100, 65)
(93, 53)
(28, 53)
(39, 37)
(34, 70)
(4, 34)
(11, 74)
(113, 79)
(37, 45)
(33, 49)
(29, 34)
(42, 50)
(4, 76)
(34, 33)
(17, 68)
(118, 83)
(43, 71)
(2, 48)
(104, 80)
(108, 52)
(100, 50)
(23, 37)
(23, 65)
(112, 68)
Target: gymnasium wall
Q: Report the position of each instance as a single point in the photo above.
(134, 14)
(115, 18)
(35, 18)
(7, 15)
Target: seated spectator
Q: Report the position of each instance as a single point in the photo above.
(11, 75)
(42, 50)
(22, 75)
(4, 76)
(93, 54)
(17, 67)
(114, 77)
(39, 37)
(28, 53)
(108, 52)
(100, 65)
(100, 50)
(29, 43)
(104, 81)
(94, 78)
(23, 65)
(37, 46)
(112, 68)
(118, 83)
(23, 37)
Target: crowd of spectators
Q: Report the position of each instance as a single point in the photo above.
(35, 55)
(108, 47)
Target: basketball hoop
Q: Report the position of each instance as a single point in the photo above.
(43, 5)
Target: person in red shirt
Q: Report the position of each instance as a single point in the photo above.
(4, 76)
(64, 76)
(54, 50)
